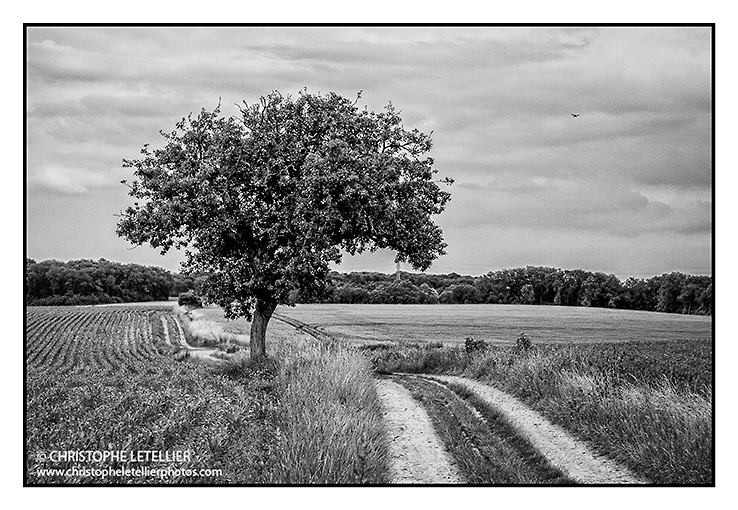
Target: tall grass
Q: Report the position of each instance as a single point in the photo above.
(656, 419)
(202, 332)
(668, 431)
(330, 417)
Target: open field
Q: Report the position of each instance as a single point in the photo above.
(636, 387)
(106, 379)
(72, 339)
(126, 379)
(497, 323)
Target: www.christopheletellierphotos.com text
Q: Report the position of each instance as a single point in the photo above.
(109, 464)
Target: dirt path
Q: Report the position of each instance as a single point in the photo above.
(418, 457)
(564, 451)
(202, 354)
(182, 337)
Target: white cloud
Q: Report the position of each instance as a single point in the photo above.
(71, 180)
(51, 45)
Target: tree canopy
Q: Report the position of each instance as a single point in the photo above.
(531, 285)
(264, 202)
(87, 282)
(76, 282)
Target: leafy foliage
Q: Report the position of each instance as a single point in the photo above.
(672, 293)
(523, 344)
(265, 202)
(475, 346)
(84, 282)
(190, 300)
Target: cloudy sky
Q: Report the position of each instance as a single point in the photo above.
(625, 188)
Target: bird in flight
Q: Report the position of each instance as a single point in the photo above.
(575, 115)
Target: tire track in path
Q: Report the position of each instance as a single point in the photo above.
(302, 326)
(565, 452)
(418, 456)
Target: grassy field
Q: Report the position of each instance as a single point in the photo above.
(112, 379)
(636, 385)
(106, 379)
(501, 324)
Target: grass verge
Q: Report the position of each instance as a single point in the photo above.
(330, 421)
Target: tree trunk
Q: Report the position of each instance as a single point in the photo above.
(262, 314)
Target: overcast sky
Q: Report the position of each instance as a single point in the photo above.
(625, 188)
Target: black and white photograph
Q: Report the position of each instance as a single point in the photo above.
(320, 255)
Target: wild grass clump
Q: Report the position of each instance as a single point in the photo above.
(523, 344)
(475, 346)
(416, 357)
(331, 428)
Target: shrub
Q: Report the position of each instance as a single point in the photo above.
(523, 343)
(425, 357)
(189, 300)
(475, 346)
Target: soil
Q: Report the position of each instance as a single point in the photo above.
(418, 457)
(167, 340)
(570, 455)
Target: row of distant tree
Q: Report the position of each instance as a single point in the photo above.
(85, 282)
(77, 282)
(673, 293)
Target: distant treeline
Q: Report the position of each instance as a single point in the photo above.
(673, 293)
(80, 282)
(90, 282)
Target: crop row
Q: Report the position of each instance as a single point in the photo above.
(63, 340)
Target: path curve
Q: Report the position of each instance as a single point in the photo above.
(570, 455)
(418, 456)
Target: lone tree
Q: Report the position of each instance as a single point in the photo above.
(263, 203)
